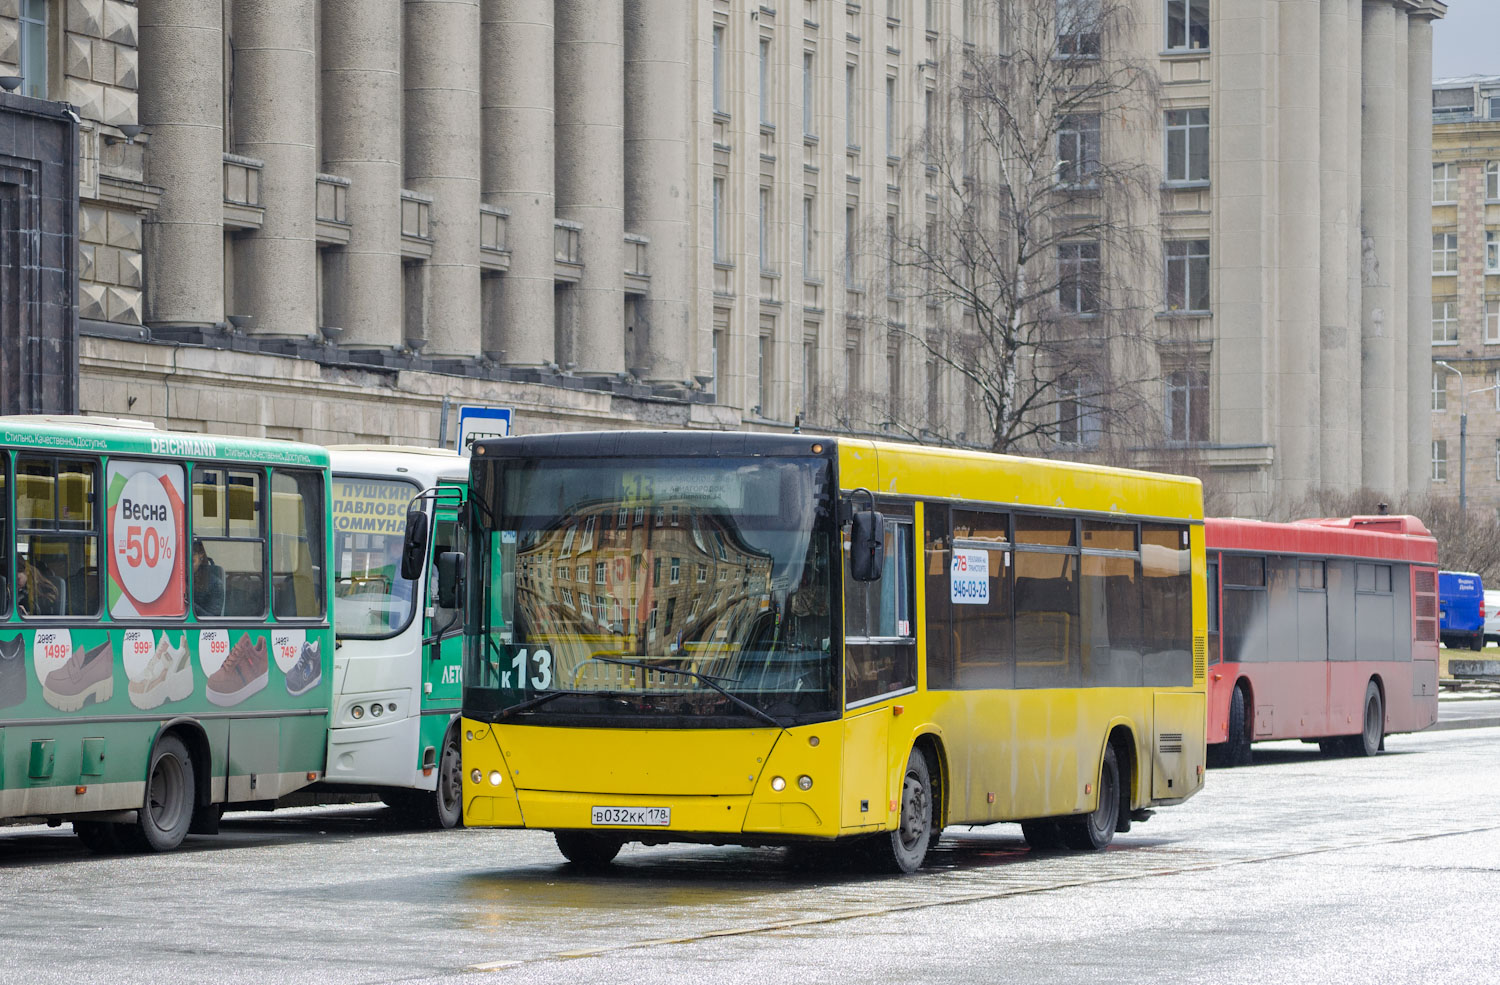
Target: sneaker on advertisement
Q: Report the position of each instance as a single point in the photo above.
(307, 672)
(167, 677)
(245, 671)
(89, 675)
(12, 671)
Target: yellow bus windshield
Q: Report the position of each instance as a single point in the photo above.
(692, 592)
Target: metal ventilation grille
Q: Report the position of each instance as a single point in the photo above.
(1425, 580)
(1169, 742)
(1200, 658)
(1426, 607)
(1426, 631)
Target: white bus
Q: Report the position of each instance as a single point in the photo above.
(393, 726)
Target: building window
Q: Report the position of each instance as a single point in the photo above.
(765, 230)
(720, 361)
(810, 372)
(1077, 148)
(849, 248)
(1492, 181)
(1078, 277)
(851, 105)
(1445, 253)
(1187, 145)
(809, 127)
(32, 42)
(1444, 184)
(1187, 24)
(893, 377)
(765, 81)
(1444, 321)
(720, 256)
(934, 395)
(1187, 405)
(763, 363)
(721, 106)
(1492, 325)
(890, 116)
(1078, 28)
(1439, 389)
(1078, 419)
(929, 111)
(853, 356)
(809, 237)
(892, 248)
(1440, 460)
(1492, 252)
(1187, 275)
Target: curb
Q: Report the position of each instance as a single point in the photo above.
(1456, 723)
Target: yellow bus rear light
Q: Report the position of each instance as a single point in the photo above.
(495, 778)
(778, 784)
(476, 776)
(804, 782)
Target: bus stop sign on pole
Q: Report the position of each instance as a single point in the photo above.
(476, 422)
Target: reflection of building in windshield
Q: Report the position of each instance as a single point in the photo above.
(666, 580)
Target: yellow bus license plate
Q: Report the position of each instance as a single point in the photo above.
(649, 817)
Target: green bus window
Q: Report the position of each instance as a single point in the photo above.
(296, 544)
(983, 631)
(1167, 602)
(57, 568)
(228, 562)
(145, 551)
(5, 536)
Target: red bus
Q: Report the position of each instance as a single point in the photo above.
(1321, 630)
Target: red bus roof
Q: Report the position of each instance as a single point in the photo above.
(1396, 538)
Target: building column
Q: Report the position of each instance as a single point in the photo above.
(658, 180)
(361, 48)
(1378, 239)
(1333, 258)
(1298, 250)
(1243, 225)
(442, 160)
(1401, 262)
(1354, 244)
(275, 70)
(518, 173)
(1419, 234)
(181, 100)
(589, 70)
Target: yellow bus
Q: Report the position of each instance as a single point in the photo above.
(786, 639)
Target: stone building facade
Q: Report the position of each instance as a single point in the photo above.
(1466, 288)
(333, 220)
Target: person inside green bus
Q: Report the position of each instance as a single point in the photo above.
(37, 592)
(208, 583)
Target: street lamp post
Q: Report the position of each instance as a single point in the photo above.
(1463, 436)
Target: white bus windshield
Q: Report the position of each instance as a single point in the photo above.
(371, 599)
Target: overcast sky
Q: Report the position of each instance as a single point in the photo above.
(1467, 41)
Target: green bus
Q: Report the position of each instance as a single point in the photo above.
(168, 628)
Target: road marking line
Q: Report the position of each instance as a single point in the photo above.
(978, 897)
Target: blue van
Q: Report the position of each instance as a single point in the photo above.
(1461, 610)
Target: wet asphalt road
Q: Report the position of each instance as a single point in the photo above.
(1296, 869)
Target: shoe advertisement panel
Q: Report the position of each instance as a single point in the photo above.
(100, 670)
